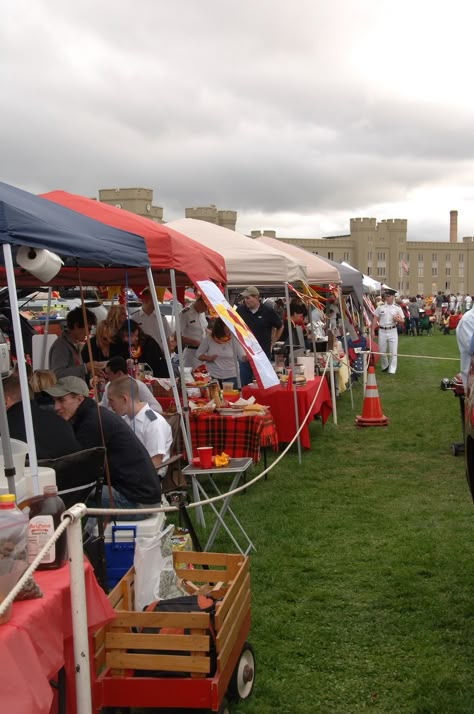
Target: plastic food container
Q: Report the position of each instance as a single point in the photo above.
(13, 547)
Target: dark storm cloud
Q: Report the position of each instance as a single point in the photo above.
(256, 106)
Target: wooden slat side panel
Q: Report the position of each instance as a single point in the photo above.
(194, 558)
(223, 607)
(167, 663)
(99, 660)
(223, 630)
(226, 648)
(234, 563)
(198, 620)
(148, 641)
(204, 576)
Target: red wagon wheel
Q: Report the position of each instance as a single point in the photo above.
(243, 676)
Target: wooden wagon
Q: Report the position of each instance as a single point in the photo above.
(173, 668)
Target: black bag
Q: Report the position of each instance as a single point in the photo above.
(185, 603)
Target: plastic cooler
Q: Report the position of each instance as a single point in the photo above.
(120, 543)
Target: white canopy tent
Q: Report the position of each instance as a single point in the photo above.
(317, 270)
(247, 261)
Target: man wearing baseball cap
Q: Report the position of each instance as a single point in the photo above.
(265, 324)
(133, 476)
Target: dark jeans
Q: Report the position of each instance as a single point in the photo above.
(246, 374)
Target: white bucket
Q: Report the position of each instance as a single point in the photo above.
(308, 364)
(19, 452)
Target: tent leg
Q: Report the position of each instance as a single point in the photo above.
(345, 347)
(292, 364)
(20, 353)
(185, 425)
(174, 387)
(45, 332)
(333, 387)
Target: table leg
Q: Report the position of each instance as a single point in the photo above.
(199, 511)
(220, 522)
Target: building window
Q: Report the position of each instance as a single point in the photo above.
(461, 258)
(346, 257)
(380, 272)
(369, 256)
(447, 286)
(448, 258)
(434, 271)
(421, 287)
(331, 255)
(420, 257)
(420, 271)
(434, 258)
(448, 271)
(461, 288)
(461, 274)
(381, 257)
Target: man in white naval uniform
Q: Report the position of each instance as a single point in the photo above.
(387, 316)
(147, 320)
(193, 325)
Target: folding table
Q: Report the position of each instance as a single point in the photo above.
(236, 468)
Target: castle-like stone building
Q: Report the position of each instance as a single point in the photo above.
(381, 250)
(378, 248)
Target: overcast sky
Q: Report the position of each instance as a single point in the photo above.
(298, 115)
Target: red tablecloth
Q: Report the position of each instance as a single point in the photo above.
(280, 401)
(238, 436)
(37, 641)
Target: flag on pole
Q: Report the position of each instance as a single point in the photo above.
(404, 266)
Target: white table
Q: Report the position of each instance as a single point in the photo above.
(237, 469)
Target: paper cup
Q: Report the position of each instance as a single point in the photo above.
(205, 456)
(227, 386)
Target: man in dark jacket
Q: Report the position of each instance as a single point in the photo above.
(135, 483)
(265, 324)
(53, 436)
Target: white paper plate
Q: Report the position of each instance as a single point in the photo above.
(228, 411)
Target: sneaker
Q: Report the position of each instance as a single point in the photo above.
(385, 370)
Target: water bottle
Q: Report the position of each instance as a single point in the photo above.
(13, 546)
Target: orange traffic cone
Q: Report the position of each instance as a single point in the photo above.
(371, 407)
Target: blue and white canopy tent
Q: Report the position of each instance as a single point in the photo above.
(27, 220)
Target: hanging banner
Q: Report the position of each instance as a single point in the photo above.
(261, 366)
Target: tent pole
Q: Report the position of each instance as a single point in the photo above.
(185, 425)
(159, 319)
(20, 354)
(234, 350)
(292, 365)
(345, 346)
(45, 332)
(333, 387)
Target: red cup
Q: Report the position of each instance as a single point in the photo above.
(205, 456)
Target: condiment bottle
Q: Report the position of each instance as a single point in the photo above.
(45, 517)
(13, 541)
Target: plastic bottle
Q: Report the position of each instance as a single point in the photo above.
(45, 517)
(13, 546)
(289, 384)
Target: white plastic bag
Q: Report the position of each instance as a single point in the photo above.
(155, 577)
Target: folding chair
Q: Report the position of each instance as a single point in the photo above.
(78, 474)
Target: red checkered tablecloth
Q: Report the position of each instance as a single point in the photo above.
(238, 436)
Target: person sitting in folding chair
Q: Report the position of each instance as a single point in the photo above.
(150, 427)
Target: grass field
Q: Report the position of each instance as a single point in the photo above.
(362, 579)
